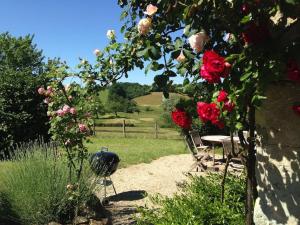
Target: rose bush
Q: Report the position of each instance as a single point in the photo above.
(250, 44)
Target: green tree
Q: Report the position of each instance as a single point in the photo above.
(118, 100)
(22, 111)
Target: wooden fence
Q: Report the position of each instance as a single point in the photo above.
(128, 130)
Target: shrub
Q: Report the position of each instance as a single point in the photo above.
(22, 111)
(148, 109)
(33, 187)
(199, 203)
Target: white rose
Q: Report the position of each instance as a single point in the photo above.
(144, 25)
(197, 41)
(111, 34)
(96, 52)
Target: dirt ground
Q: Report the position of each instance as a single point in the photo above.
(135, 182)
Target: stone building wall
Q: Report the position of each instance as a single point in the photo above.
(278, 157)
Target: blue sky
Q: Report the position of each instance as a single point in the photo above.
(68, 29)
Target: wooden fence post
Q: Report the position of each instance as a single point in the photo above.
(124, 130)
(156, 130)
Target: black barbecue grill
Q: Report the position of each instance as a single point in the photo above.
(104, 164)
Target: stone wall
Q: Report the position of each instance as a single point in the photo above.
(278, 157)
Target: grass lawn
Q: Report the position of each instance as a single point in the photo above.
(138, 150)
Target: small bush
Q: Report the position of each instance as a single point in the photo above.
(33, 188)
(148, 109)
(165, 120)
(199, 203)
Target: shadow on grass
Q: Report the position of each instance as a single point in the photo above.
(7, 215)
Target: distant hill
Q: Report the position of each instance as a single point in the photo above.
(153, 99)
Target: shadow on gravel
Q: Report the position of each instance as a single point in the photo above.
(129, 196)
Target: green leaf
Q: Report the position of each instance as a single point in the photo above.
(142, 53)
(154, 53)
(246, 19)
(169, 73)
(239, 126)
(123, 15)
(245, 76)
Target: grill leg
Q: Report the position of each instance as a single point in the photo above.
(104, 187)
(112, 183)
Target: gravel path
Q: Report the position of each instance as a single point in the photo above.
(132, 183)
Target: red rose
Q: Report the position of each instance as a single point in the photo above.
(213, 62)
(222, 97)
(209, 77)
(296, 109)
(214, 67)
(293, 70)
(228, 106)
(255, 33)
(208, 111)
(219, 124)
(181, 118)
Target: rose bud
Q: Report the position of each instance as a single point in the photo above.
(181, 58)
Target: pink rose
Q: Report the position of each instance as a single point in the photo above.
(60, 112)
(82, 127)
(49, 91)
(181, 58)
(41, 90)
(151, 10)
(47, 100)
(144, 26)
(73, 111)
(66, 109)
(197, 41)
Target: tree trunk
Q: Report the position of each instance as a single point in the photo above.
(250, 169)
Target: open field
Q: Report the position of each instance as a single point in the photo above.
(142, 125)
(153, 99)
(138, 150)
